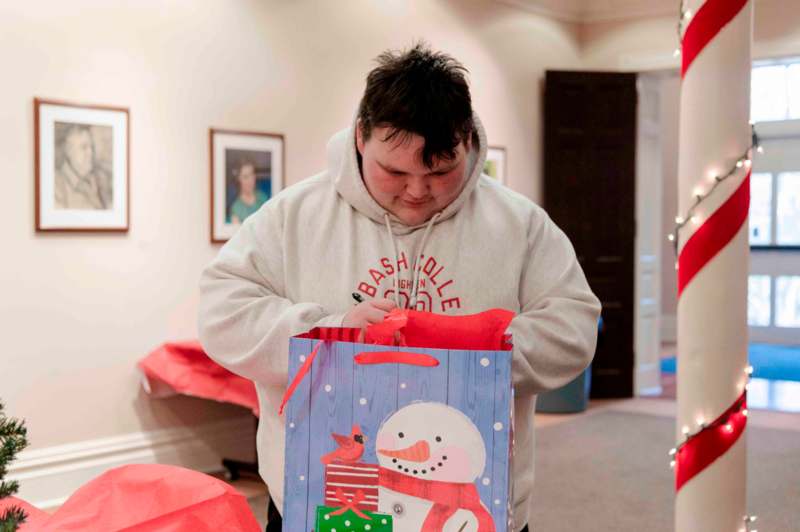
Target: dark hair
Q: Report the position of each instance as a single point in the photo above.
(419, 92)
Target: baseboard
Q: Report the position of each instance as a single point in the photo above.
(50, 475)
(669, 328)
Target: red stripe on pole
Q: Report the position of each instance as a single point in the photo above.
(702, 449)
(714, 234)
(704, 26)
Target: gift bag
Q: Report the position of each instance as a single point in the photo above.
(408, 430)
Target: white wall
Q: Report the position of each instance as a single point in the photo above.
(78, 311)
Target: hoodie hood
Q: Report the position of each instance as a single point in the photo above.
(346, 176)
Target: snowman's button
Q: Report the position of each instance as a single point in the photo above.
(398, 508)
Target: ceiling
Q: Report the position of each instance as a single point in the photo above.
(587, 11)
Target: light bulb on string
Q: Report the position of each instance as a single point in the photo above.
(760, 149)
(748, 163)
(678, 220)
(739, 163)
(676, 53)
(685, 430)
(695, 220)
(671, 237)
(749, 370)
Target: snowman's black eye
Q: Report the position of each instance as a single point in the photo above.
(438, 438)
(401, 434)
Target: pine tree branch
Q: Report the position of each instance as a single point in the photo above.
(12, 518)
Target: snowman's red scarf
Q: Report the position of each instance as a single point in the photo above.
(447, 499)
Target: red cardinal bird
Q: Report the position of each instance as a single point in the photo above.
(350, 447)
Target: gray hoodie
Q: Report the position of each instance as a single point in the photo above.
(294, 264)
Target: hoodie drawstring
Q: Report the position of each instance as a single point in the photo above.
(415, 265)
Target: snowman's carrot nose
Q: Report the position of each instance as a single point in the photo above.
(419, 452)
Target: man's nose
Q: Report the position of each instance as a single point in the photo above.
(417, 187)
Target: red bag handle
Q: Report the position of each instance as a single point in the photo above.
(365, 358)
(396, 357)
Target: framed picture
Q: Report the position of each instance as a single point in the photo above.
(495, 165)
(246, 171)
(82, 166)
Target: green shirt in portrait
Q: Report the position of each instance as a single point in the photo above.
(242, 210)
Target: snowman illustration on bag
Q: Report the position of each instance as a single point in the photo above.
(430, 456)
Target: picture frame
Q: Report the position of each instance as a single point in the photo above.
(246, 170)
(495, 165)
(81, 166)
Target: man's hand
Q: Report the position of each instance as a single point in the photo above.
(367, 313)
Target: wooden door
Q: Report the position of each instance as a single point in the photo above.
(589, 191)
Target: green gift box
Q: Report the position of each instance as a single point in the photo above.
(349, 521)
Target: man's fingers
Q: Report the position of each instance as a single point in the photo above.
(384, 304)
(375, 315)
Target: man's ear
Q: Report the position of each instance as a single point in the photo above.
(359, 138)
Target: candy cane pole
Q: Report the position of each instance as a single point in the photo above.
(713, 263)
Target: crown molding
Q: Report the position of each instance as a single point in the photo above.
(594, 11)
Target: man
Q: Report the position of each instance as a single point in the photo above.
(79, 183)
(403, 216)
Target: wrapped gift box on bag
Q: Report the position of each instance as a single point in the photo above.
(407, 430)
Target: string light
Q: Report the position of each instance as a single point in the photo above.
(724, 423)
(748, 521)
(745, 160)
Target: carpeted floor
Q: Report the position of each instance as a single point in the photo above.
(609, 471)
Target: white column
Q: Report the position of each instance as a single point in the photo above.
(712, 310)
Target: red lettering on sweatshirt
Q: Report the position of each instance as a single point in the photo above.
(428, 268)
(367, 289)
(376, 276)
(450, 303)
(387, 265)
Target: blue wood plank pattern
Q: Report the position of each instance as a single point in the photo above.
(374, 397)
(298, 436)
(501, 474)
(423, 383)
(471, 390)
(331, 412)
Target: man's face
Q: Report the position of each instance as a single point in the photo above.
(400, 182)
(79, 151)
(247, 178)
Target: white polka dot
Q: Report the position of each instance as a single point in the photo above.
(291, 425)
(362, 401)
(333, 530)
(347, 523)
(485, 481)
(498, 426)
(367, 527)
(327, 517)
(302, 477)
(403, 385)
(383, 521)
(302, 358)
(485, 362)
(328, 387)
(497, 502)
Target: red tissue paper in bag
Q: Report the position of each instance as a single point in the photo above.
(151, 497)
(485, 330)
(185, 368)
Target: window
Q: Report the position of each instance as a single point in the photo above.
(788, 212)
(775, 92)
(758, 301)
(760, 209)
(787, 301)
(775, 209)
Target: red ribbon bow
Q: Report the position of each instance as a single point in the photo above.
(351, 504)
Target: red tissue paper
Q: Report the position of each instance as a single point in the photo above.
(185, 368)
(150, 497)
